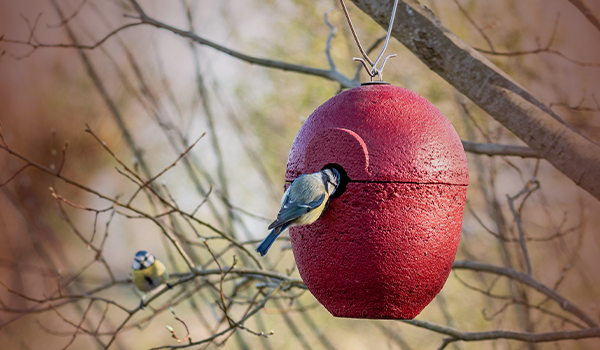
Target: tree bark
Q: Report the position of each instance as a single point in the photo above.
(586, 12)
(417, 28)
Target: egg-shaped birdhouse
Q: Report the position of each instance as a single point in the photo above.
(385, 246)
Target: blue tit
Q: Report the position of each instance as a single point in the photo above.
(302, 203)
(148, 273)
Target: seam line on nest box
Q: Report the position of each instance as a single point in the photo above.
(400, 182)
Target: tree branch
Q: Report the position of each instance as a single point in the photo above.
(35, 45)
(456, 334)
(331, 74)
(491, 149)
(546, 49)
(586, 12)
(523, 278)
(493, 90)
(481, 32)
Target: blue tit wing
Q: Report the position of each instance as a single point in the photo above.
(291, 210)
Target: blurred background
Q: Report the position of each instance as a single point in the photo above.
(149, 94)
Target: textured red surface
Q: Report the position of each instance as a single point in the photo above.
(381, 250)
(405, 137)
(385, 247)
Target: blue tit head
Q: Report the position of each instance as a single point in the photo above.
(142, 260)
(331, 179)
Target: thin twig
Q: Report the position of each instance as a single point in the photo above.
(69, 18)
(187, 336)
(501, 334)
(14, 175)
(241, 321)
(183, 154)
(64, 157)
(333, 75)
(517, 217)
(466, 14)
(528, 280)
(332, 33)
(586, 12)
(512, 301)
(38, 45)
(490, 149)
(203, 200)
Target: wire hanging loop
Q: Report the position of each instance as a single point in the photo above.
(372, 70)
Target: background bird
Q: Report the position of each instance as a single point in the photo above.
(148, 273)
(302, 203)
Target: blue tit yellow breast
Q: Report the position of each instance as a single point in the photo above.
(151, 277)
(312, 215)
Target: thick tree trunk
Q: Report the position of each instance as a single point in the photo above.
(491, 89)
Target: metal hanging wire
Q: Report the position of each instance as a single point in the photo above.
(373, 70)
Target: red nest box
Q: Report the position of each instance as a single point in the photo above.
(385, 246)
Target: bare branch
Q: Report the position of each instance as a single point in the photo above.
(64, 157)
(332, 33)
(493, 90)
(466, 14)
(586, 12)
(578, 107)
(203, 200)
(241, 321)
(525, 279)
(78, 326)
(14, 175)
(545, 49)
(333, 75)
(104, 93)
(536, 51)
(187, 336)
(499, 150)
(500, 334)
(531, 186)
(183, 154)
(69, 18)
(107, 149)
(512, 301)
(36, 45)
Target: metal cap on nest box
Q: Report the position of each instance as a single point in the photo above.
(386, 245)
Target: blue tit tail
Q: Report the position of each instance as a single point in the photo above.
(266, 244)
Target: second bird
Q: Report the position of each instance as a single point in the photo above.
(302, 203)
(148, 272)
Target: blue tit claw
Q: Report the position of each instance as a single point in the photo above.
(142, 307)
(169, 286)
